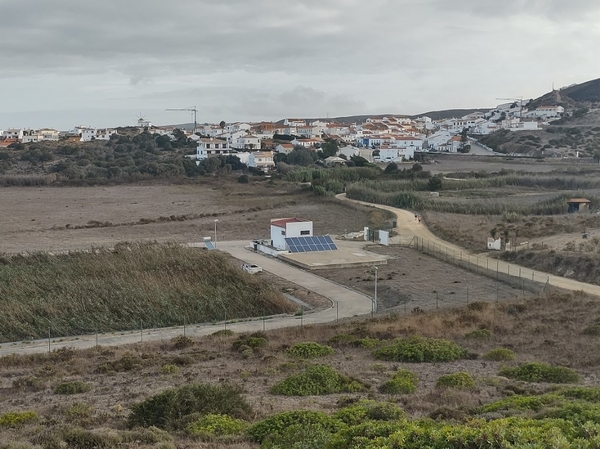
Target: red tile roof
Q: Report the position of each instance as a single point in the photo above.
(281, 222)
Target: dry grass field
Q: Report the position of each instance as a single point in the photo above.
(541, 329)
(67, 218)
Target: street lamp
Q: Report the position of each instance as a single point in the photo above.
(375, 296)
(216, 221)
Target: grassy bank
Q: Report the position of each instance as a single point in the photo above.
(148, 285)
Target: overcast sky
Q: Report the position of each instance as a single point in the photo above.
(100, 63)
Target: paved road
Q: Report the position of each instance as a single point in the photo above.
(345, 303)
(408, 228)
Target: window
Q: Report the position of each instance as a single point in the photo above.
(304, 232)
(282, 232)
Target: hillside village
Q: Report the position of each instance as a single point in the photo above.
(376, 139)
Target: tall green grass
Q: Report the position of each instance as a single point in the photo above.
(145, 285)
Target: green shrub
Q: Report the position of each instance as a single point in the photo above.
(317, 380)
(590, 394)
(212, 426)
(459, 380)
(167, 409)
(170, 369)
(250, 341)
(402, 382)
(499, 355)
(76, 437)
(479, 335)
(223, 333)
(369, 410)
(309, 350)
(276, 424)
(368, 342)
(342, 339)
(417, 349)
(593, 330)
(74, 387)
(14, 419)
(541, 372)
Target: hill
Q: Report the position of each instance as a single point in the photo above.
(483, 375)
(579, 95)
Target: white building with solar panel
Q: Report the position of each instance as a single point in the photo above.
(296, 236)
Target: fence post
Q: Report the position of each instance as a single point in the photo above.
(467, 295)
(48, 340)
(184, 326)
(141, 330)
(96, 337)
(225, 321)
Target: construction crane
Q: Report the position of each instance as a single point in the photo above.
(520, 100)
(190, 109)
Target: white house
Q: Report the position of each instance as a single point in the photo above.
(285, 148)
(548, 111)
(212, 147)
(406, 142)
(349, 151)
(13, 133)
(308, 132)
(247, 142)
(89, 134)
(30, 135)
(294, 122)
(387, 154)
(308, 143)
(262, 160)
(282, 228)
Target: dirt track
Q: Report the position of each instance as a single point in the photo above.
(408, 227)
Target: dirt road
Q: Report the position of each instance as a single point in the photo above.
(409, 229)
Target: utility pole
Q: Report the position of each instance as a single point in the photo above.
(375, 297)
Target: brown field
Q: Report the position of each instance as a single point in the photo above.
(407, 282)
(67, 218)
(447, 163)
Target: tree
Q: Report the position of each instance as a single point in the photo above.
(329, 148)
(301, 156)
(493, 233)
(392, 167)
(359, 161)
(435, 183)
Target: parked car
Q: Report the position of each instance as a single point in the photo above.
(251, 268)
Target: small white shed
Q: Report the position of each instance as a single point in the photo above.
(282, 228)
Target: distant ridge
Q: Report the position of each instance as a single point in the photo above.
(572, 96)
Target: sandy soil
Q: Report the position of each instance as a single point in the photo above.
(408, 281)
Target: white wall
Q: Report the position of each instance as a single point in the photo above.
(278, 235)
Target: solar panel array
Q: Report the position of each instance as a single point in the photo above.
(310, 244)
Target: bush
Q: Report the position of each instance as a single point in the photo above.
(479, 334)
(459, 380)
(14, 419)
(166, 410)
(74, 387)
(499, 355)
(402, 382)
(276, 424)
(182, 342)
(317, 380)
(170, 369)
(309, 350)
(223, 333)
(369, 410)
(243, 179)
(541, 372)
(212, 426)
(419, 349)
(251, 341)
